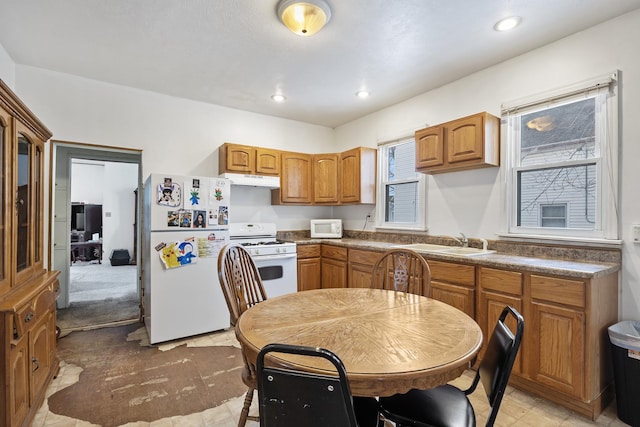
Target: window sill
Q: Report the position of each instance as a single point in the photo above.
(392, 228)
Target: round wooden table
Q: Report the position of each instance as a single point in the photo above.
(389, 342)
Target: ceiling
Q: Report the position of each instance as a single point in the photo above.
(236, 53)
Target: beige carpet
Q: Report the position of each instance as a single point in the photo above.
(99, 294)
(123, 381)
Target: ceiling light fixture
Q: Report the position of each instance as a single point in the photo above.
(304, 18)
(507, 24)
(278, 97)
(362, 94)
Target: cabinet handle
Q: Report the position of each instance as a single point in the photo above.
(28, 318)
(36, 363)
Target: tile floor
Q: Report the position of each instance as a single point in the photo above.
(518, 408)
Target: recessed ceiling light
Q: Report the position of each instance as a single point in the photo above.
(278, 97)
(362, 94)
(507, 24)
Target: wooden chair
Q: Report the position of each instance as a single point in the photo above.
(448, 406)
(242, 288)
(402, 270)
(290, 397)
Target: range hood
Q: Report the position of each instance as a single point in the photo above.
(252, 180)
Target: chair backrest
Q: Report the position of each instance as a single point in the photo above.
(402, 270)
(240, 280)
(296, 398)
(497, 362)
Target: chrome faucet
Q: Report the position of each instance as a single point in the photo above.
(464, 242)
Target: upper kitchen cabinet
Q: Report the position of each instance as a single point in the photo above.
(27, 290)
(245, 159)
(358, 176)
(467, 143)
(325, 178)
(296, 184)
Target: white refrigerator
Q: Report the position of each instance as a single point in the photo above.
(186, 223)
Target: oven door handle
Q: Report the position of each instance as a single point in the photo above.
(261, 258)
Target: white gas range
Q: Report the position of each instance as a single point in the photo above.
(276, 260)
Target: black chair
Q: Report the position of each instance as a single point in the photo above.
(297, 398)
(448, 406)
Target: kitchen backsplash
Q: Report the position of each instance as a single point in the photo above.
(537, 250)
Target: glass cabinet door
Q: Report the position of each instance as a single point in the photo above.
(28, 201)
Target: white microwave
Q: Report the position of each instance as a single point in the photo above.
(326, 228)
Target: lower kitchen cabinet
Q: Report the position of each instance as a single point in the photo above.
(454, 284)
(497, 289)
(309, 267)
(334, 266)
(361, 264)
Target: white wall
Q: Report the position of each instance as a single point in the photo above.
(177, 136)
(111, 185)
(87, 182)
(473, 201)
(7, 68)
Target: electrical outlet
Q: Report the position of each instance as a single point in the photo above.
(369, 217)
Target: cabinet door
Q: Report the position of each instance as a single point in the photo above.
(460, 297)
(557, 359)
(309, 276)
(295, 183)
(350, 176)
(361, 264)
(325, 178)
(19, 381)
(334, 273)
(28, 230)
(240, 158)
(465, 139)
(490, 306)
(41, 354)
(429, 147)
(5, 216)
(267, 161)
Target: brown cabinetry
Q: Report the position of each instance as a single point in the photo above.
(309, 267)
(334, 266)
(358, 176)
(27, 291)
(250, 160)
(329, 179)
(467, 143)
(325, 178)
(454, 284)
(361, 264)
(497, 289)
(296, 184)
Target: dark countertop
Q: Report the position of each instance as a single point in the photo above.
(568, 268)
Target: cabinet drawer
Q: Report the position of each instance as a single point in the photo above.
(335, 252)
(506, 282)
(359, 256)
(25, 317)
(562, 291)
(308, 251)
(453, 273)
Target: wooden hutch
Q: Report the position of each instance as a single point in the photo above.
(28, 290)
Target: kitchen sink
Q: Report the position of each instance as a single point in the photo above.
(443, 249)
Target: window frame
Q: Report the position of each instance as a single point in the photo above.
(605, 160)
(382, 182)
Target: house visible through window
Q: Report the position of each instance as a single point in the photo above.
(553, 215)
(563, 160)
(401, 190)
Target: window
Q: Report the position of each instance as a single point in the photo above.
(553, 215)
(401, 190)
(562, 154)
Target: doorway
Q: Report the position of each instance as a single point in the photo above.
(95, 234)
